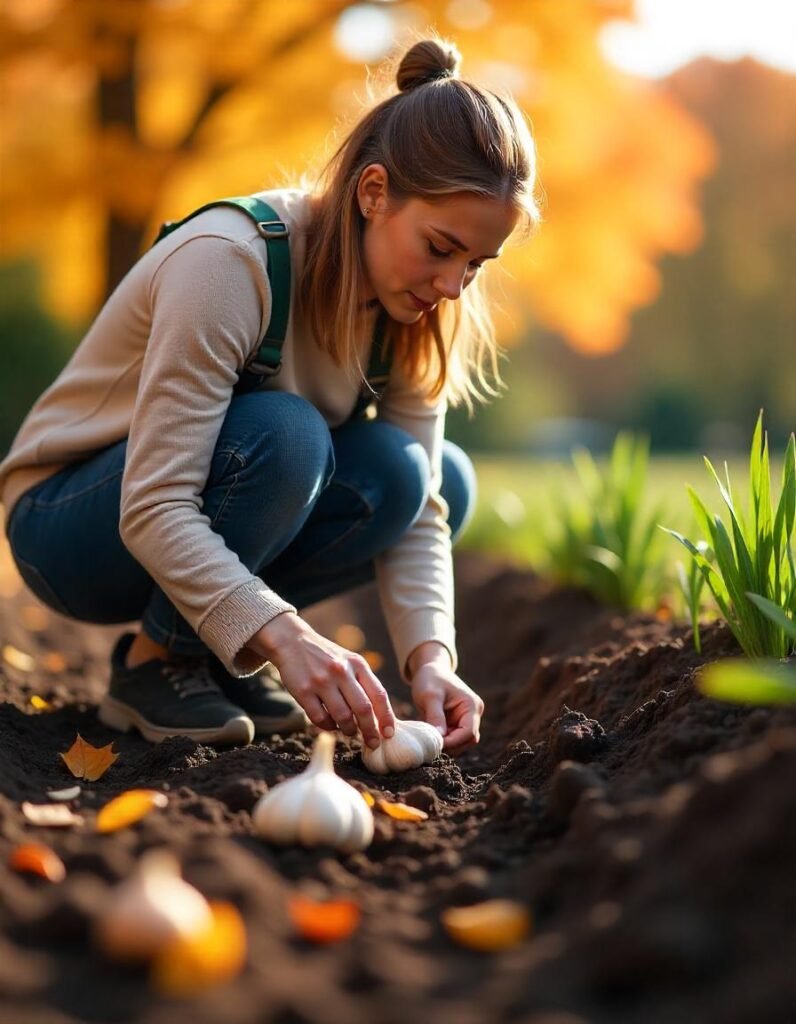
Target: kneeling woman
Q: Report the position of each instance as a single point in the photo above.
(206, 463)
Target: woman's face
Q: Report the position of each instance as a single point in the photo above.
(421, 252)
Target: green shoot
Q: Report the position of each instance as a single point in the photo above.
(692, 583)
(753, 579)
(746, 682)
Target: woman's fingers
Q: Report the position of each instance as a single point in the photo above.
(378, 698)
(359, 703)
(316, 712)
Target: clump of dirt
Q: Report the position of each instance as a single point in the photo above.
(648, 829)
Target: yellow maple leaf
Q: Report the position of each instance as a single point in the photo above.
(87, 762)
(128, 808)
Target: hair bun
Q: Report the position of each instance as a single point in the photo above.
(427, 61)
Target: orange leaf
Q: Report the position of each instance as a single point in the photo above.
(368, 798)
(129, 808)
(323, 922)
(212, 956)
(18, 659)
(493, 925)
(40, 704)
(54, 662)
(87, 762)
(36, 859)
(50, 815)
(401, 812)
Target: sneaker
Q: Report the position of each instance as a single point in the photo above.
(263, 698)
(171, 698)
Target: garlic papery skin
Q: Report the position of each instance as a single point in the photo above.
(149, 909)
(413, 744)
(315, 808)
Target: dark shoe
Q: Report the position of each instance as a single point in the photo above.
(171, 698)
(263, 698)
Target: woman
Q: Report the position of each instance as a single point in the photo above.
(147, 484)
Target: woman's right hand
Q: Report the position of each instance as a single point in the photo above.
(336, 687)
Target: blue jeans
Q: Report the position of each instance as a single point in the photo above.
(308, 517)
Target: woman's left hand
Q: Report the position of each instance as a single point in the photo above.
(447, 702)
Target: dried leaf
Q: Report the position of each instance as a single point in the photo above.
(71, 793)
(36, 859)
(350, 636)
(50, 815)
(40, 704)
(213, 956)
(54, 662)
(87, 762)
(493, 925)
(129, 808)
(401, 812)
(368, 798)
(18, 659)
(323, 922)
(374, 659)
(34, 618)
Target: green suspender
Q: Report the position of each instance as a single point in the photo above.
(268, 359)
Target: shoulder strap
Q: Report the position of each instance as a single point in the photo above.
(276, 234)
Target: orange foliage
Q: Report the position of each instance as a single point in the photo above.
(232, 97)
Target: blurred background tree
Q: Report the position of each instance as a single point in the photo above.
(118, 114)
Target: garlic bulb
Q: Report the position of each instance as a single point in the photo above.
(315, 808)
(413, 744)
(149, 909)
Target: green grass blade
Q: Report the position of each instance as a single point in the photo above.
(775, 614)
(743, 682)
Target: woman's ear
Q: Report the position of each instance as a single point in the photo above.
(372, 188)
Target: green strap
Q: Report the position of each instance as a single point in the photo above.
(269, 353)
(276, 235)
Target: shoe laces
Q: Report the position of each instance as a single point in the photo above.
(190, 677)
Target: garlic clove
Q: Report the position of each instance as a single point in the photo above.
(412, 745)
(151, 908)
(316, 807)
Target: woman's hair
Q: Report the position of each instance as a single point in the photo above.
(436, 137)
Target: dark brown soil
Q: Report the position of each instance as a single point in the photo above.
(652, 833)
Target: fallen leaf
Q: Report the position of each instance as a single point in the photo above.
(493, 925)
(33, 617)
(87, 762)
(212, 956)
(330, 921)
(64, 794)
(129, 808)
(374, 659)
(18, 659)
(54, 662)
(401, 812)
(36, 859)
(40, 704)
(349, 636)
(368, 798)
(50, 815)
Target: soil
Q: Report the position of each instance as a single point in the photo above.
(651, 832)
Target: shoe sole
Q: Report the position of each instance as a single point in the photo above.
(294, 721)
(237, 731)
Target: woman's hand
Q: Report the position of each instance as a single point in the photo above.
(335, 687)
(447, 702)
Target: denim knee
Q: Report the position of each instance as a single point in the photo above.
(459, 487)
(280, 438)
(405, 487)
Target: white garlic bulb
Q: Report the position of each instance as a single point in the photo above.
(149, 909)
(315, 808)
(413, 744)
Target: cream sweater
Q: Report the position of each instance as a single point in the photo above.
(159, 365)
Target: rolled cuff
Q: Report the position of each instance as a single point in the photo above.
(235, 620)
(420, 627)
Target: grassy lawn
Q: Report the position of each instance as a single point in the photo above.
(516, 511)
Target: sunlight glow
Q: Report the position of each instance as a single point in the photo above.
(669, 33)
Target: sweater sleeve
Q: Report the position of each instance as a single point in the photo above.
(415, 576)
(210, 302)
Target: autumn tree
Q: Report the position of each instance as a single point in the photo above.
(121, 113)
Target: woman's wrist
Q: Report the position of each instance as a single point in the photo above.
(429, 652)
(270, 637)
